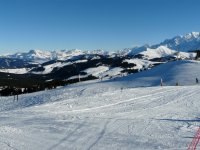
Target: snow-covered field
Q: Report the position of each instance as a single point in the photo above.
(131, 112)
(16, 71)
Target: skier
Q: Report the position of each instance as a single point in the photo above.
(197, 81)
(161, 82)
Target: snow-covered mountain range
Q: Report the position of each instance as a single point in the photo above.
(44, 56)
(186, 43)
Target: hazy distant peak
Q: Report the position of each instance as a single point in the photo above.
(192, 35)
(188, 42)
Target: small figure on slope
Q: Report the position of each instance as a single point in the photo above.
(197, 81)
(161, 82)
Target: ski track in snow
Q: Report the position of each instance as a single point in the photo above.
(123, 102)
(95, 125)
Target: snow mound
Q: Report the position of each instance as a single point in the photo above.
(159, 52)
(163, 51)
(112, 72)
(140, 64)
(96, 71)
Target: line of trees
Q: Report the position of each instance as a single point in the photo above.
(10, 90)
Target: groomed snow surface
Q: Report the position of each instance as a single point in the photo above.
(131, 112)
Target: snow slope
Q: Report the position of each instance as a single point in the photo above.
(16, 71)
(163, 51)
(183, 72)
(140, 64)
(112, 114)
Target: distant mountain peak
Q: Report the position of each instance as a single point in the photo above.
(188, 42)
(192, 35)
(34, 51)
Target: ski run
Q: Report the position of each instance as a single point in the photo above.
(131, 112)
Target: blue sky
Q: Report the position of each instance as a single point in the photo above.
(93, 24)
